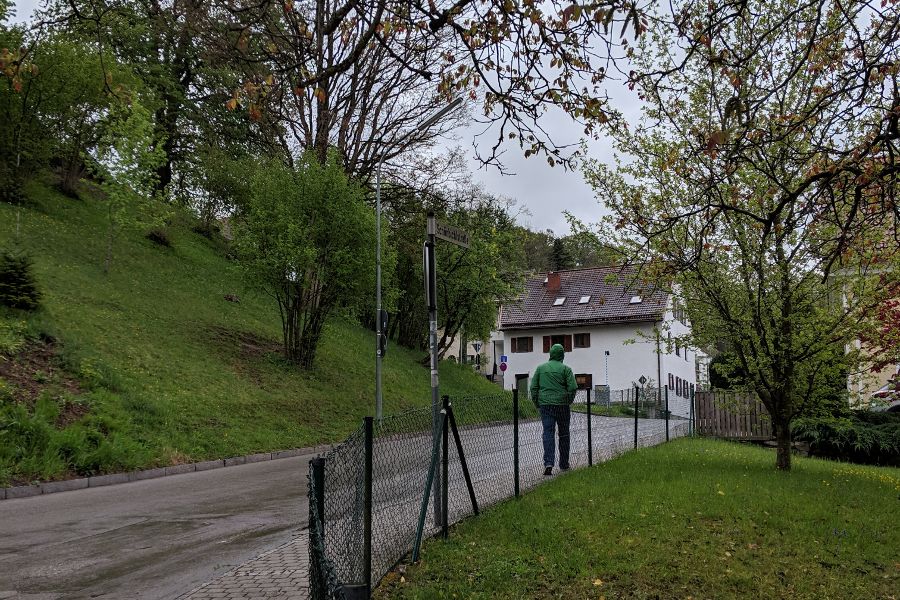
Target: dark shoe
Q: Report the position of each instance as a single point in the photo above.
(548, 471)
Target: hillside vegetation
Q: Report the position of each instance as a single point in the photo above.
(152, 365)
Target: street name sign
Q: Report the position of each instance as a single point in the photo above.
(452, 234)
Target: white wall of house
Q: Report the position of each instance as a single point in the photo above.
(632, 353)
(626, 362)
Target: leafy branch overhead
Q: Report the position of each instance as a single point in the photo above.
(513, 60)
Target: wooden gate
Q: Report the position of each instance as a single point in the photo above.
(731, 415)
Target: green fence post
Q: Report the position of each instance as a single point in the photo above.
(516, 440)
(445, 471)
(666, 392)
(636, 417)
(589, 419)
(367, 506)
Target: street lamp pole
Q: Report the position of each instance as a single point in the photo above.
(380, 317)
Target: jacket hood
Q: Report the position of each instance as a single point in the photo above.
(557, 352)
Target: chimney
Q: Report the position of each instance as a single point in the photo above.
(552, 283)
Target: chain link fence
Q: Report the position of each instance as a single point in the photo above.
(502, 445)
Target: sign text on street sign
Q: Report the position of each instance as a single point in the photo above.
(452, 234)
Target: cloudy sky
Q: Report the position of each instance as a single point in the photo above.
(543, 190)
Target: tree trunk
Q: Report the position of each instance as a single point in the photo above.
(783, 451)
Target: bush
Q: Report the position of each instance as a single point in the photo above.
(160, 236)
(859, 439)
(11, 185)
(18, 288)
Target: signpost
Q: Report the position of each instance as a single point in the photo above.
(451, 234)
(461, 238)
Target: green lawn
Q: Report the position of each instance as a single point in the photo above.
(689, 519)
(155, 366)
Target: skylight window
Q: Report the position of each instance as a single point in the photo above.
(584, 300)
(559, 301)
(636, 300)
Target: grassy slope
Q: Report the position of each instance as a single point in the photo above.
(163, 343)
(690, 519)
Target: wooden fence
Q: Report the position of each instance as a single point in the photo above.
(739, 416)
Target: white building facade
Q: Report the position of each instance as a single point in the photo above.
(614, 330)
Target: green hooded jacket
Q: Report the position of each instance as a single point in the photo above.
(553, 383)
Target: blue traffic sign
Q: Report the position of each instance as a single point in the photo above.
(503, 358)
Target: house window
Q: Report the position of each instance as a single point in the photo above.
(584, 300)
(563, 340)
(678, 386)
(636, 300)
(677, 349)
(522, 344)
(559, 301)
(582, 340)
(671, 381)
(584, 381)
(692, 391)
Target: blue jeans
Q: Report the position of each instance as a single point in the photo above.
(553, 417)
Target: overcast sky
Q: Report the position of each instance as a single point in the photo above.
(543, 190)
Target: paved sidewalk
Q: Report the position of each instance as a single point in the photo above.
(281, 573)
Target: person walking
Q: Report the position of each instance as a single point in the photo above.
(552, 391)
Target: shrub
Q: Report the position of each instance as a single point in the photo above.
(160, 236)
(856, 439)
(18, 288)
(11, 185)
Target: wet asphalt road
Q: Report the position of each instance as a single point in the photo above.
(152, 539)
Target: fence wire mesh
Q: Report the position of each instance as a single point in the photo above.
(402, 457)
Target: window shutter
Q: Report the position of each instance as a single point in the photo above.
(546, 344)
(512, 346)
(567, 343)
(587, 340)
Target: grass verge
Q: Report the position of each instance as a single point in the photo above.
(689, 519)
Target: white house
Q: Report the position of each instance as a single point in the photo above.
(607, 321)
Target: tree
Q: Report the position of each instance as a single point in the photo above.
(472, 282)
(305, 235)
(763, 180)
(186, 82)
(515, 59)
(126, 162)
(560, 258)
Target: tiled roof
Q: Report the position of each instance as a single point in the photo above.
(610, 289)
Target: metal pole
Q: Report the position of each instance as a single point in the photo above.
(590, 443)
(431, 289)
(445, 471)
(636, 417)
(420, 527)
(516, 440)
(666, 392)
(462, 458)
(367, 507)
(318, 475)
(378, 331)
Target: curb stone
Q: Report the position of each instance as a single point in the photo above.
(52, 487)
